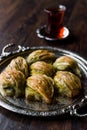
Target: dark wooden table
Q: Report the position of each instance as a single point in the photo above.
(19, 20)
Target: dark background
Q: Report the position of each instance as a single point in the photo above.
(19, 20)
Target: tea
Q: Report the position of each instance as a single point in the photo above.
(54, 26)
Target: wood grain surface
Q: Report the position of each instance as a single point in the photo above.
(19, 20)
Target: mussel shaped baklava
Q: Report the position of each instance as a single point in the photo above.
(41, 55)
(39, 88)
(66, 63)
(12, 83)
(20, 64)
(67, 83)
(41, 67)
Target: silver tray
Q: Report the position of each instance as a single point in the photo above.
(63, 106)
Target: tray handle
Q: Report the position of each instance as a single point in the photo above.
(78, 114)
(4, 53)
(74, 109)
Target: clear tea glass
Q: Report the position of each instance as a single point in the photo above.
(54, 26)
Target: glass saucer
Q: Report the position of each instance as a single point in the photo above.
(42, 34)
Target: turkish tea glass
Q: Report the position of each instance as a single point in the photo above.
(54, 25)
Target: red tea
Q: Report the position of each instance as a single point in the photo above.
(54, 26)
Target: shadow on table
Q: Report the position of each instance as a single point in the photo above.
(71, 39)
